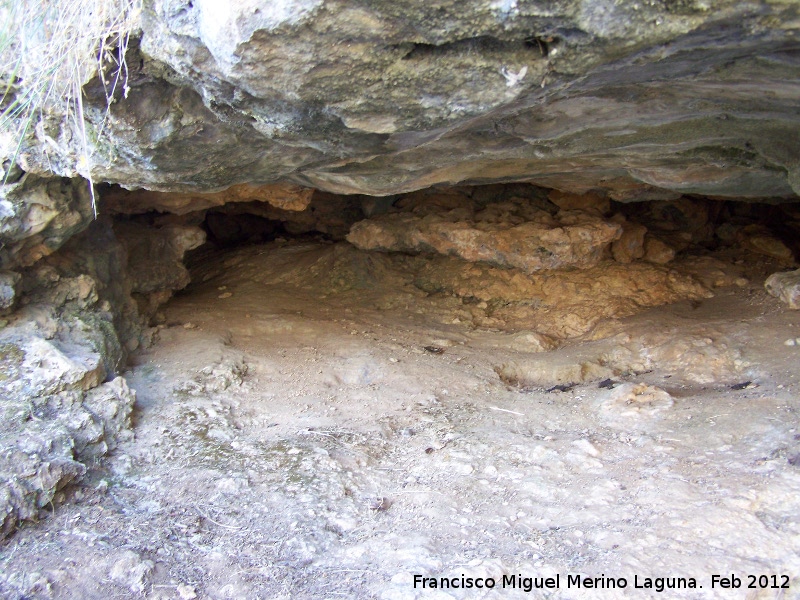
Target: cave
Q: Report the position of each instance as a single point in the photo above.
(403, 300)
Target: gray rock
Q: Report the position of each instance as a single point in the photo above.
(155, 260)
(9, 281)
(785, 286)
(62, 403)
(38, 215)
(44, 441)
(642, 100)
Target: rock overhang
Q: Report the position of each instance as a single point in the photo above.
(642, 101)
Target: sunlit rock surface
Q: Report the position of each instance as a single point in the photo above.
(645, 100)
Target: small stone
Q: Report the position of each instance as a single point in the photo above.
(785, 286)
(225, 295)
(636, 399)
(186, 592)
(587, 447)
(656, 251)
(790, 342)
(381, 503)
(189, 326)
(130, 570)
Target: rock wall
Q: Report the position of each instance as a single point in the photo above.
(75, 298)
(243, 108)
(645, 100)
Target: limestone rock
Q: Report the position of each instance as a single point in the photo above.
(634, 400)
(710, 272)
(698, 359)
(530, 245)
(785, 286)
(9, 280)
(111, 405)
(560, 304)
(587, 202)
(630, 245)
(48, 428)
(131, 571)
(656, 251)
(38, 215)
(282, 196)
(760, 239)
(155, 259)
(45, 436)
(58, 351)
(550, 372)
(638, 101)
(529, 341)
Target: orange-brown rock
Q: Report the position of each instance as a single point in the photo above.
(528, 245)
(590, 201)
(280, 195)
(630, 245)
(562, 303)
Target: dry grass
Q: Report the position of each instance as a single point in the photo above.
(49, 49)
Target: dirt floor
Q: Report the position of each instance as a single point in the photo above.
(333, 441)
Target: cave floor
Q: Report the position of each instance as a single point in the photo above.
(295, 441)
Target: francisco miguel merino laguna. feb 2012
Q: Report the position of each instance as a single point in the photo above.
(571, 581)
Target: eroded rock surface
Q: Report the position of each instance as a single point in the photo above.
(68, 323)
(282, 196)
(560, 304)
(38, 215)
(785, 286)
(155, 254)
(492, 235)
(9, 281)
(646, 101)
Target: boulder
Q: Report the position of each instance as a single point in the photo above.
(785, 286)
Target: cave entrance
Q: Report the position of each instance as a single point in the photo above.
(511, 258)
(464, 378)
(510, 271)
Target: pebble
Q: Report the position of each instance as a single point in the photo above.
(792, 342)
(225, 295)
(587, 447)
(186, 592)
(130, 570)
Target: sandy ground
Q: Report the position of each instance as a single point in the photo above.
(298, 442)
